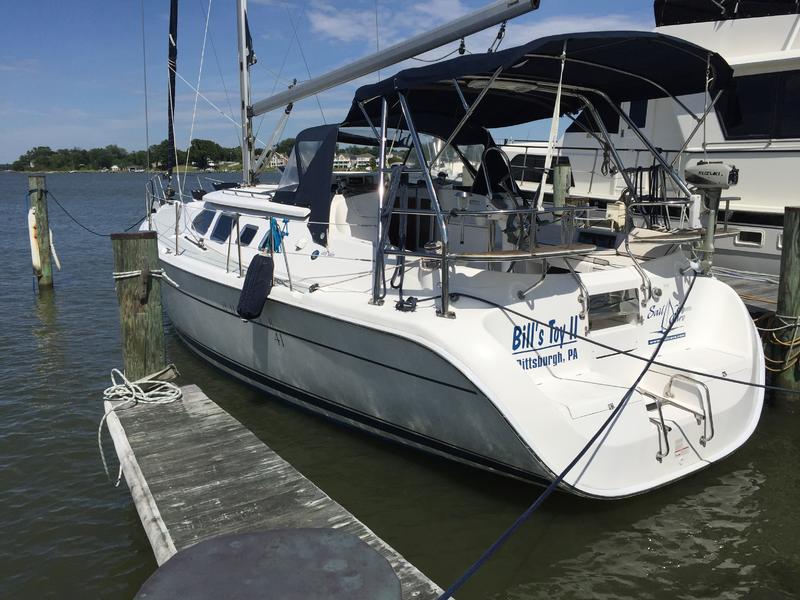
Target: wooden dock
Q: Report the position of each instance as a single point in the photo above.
(758, 294)
(196, 473)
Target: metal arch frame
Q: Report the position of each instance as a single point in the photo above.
(578, 92)
(378, 251)
(444, 310)
(575, 91)
(622, 72)
(467, 115)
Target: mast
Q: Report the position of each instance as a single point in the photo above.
(495, 13)
(246, 58)
(172, 65)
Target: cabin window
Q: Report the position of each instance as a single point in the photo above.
(751, 238)
(638, 113)
(203, 220)
(529, 167)
(223, 228)
(611, 309)
(585, 122)
(789, 115)
(761, 106)
(247, 235)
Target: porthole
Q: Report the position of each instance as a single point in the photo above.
(223, 228)
(247, 235)
(203, 220)
(750, 238)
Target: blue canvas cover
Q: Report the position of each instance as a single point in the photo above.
(625, 65)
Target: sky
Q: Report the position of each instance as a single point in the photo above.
(72, 74)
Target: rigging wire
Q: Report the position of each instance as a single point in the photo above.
(303, 55)
(171, 109)
(377, 36)
(433, 60)
(277, 78)
(219, 69)
(210, 103)
(501, 33)
(462, 49)
(194, 109)
(504, 537)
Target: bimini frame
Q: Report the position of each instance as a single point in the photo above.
(446, 257)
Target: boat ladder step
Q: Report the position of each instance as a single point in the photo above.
(701, 411)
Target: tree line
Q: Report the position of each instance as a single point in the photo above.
(201, 153)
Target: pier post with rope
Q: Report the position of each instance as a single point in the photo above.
(138, 281)
(787, 338)
(38, 198)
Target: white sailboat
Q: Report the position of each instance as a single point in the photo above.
(468, 320)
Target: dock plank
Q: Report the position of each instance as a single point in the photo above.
(757, 294)
(195, 473)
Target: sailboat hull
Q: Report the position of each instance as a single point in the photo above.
(362, 377)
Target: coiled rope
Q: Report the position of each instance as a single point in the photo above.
(504, 537)
(129, 394)
(776, 337)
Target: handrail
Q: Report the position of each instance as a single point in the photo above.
(457, 212)
(513, 144)
(708, 417)
(583, 293)
(647, 286)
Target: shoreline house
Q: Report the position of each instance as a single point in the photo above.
(277, 160)
(352, 162)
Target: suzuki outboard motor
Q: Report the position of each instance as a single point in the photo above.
(709, 179)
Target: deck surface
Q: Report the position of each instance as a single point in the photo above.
(195, 473)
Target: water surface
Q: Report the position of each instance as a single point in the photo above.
(729, 532)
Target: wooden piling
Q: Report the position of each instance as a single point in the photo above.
(36, 191)
(789, 300)
(561, 180)
(139, 298)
